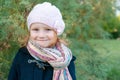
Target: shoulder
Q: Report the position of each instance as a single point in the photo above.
(22, 51)
(72, 63)
(73, 58)
(22, 54)
(71, 68)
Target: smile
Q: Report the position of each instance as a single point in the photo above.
(42, 40)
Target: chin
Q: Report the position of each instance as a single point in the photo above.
(44, 46)
(47, 46)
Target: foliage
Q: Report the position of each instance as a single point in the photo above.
(6, 57)
(114, 74)
(90, 65)
(109, 50)
(84, 19)
(87, 19)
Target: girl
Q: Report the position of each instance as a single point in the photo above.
(44, 57)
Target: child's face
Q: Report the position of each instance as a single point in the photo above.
(43, 35)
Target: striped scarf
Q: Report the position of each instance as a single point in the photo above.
(58, 58)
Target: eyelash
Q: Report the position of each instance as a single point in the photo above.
(48, 29)
(35, 29)
(38, 29)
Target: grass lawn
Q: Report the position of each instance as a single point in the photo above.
(109, 49)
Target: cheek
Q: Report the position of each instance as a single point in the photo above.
(52, 35)
(54, 38)
(32, 35)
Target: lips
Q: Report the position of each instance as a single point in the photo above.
(42, 40)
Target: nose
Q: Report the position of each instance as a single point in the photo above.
(41, 34)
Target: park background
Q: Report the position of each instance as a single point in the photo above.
(92, 29)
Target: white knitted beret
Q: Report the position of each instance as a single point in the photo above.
(47, 14)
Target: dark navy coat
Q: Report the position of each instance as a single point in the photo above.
(25, 67)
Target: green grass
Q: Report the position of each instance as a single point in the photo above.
(109, 50)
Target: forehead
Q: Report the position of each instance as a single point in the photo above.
(40, 25)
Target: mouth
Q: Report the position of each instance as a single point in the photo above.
(42, 40)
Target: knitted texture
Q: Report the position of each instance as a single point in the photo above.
(48, 14)
(58, 58)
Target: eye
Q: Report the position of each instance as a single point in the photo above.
(48, 29)
(35, 29)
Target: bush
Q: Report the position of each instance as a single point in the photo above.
(114, 74)
(84, 20)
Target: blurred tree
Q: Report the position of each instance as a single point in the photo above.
(84, 19)
(89, 17)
